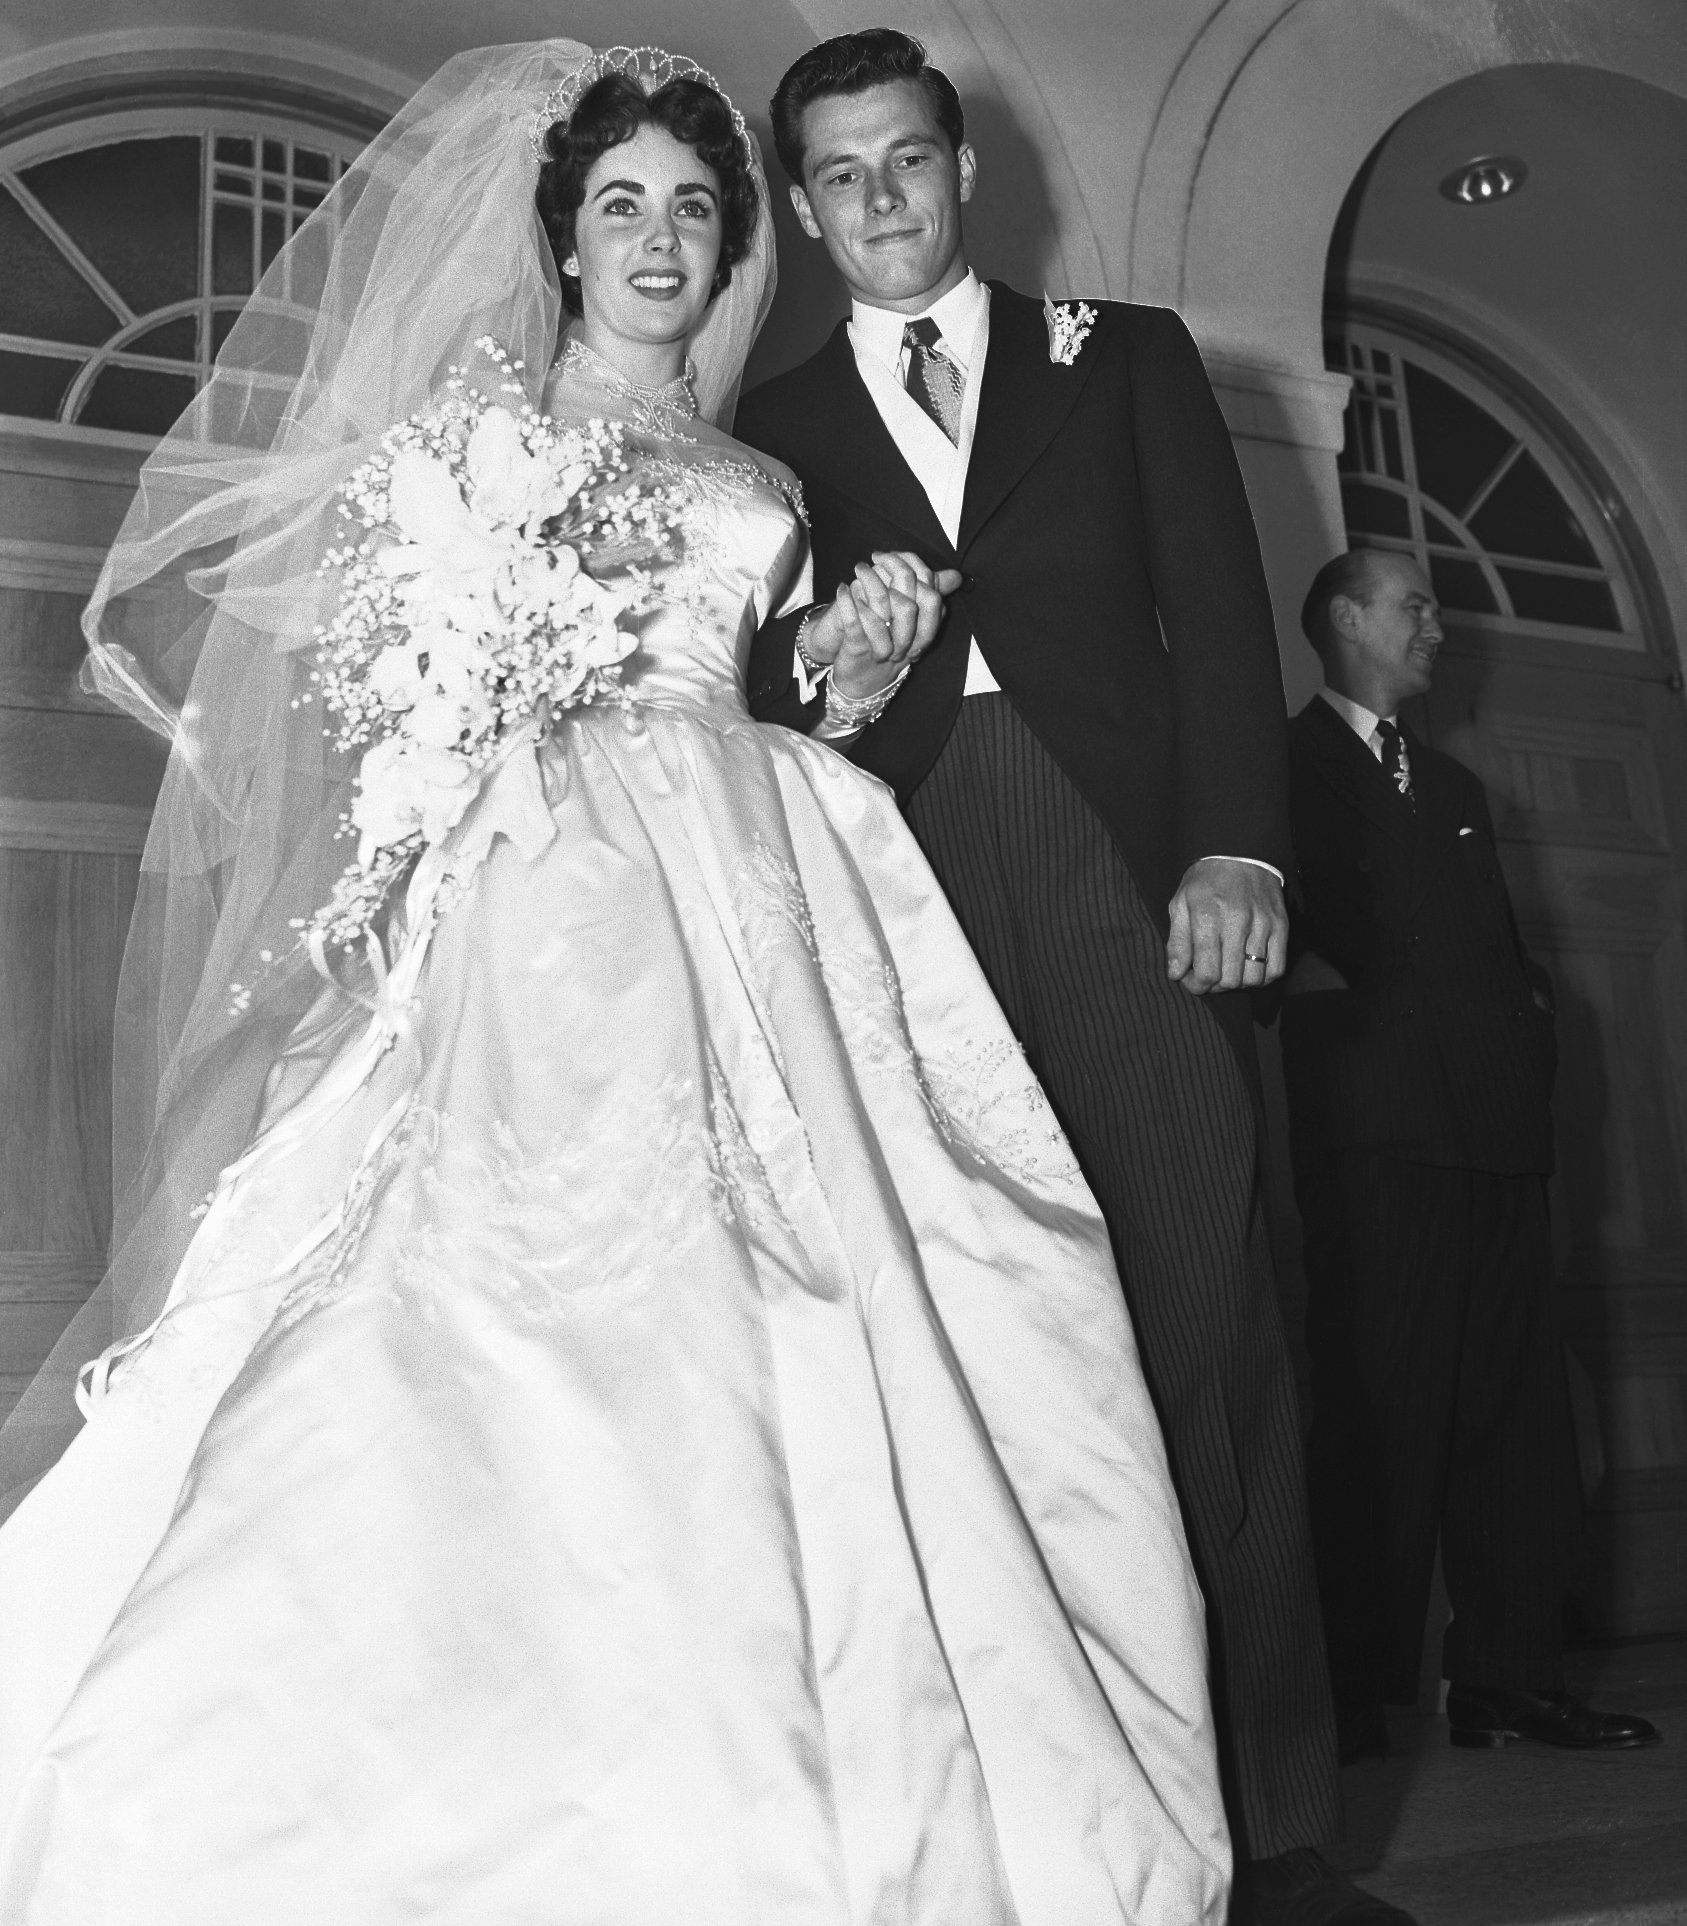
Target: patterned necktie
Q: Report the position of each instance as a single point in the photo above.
(1397, 765)
(933, 379)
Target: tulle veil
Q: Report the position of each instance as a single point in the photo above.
(202, 616)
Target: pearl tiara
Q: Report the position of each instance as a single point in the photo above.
(650, 68)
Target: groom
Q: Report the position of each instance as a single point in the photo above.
(1092, 755)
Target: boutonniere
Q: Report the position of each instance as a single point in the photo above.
(1069, 328)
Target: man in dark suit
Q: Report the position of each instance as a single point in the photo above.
(1092, 756)
(1418, 1052)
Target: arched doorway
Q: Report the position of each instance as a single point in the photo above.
(1474, 441)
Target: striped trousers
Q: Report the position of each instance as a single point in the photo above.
(1151, 1095)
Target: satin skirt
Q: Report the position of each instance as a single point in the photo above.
(705, 1475)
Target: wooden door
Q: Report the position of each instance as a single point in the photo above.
(1584, 753)
(77, 783)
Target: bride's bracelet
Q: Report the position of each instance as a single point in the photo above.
(850, 712)
(815, 669)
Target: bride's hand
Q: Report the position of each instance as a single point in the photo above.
(886, 618)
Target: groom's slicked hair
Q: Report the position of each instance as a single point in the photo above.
(849, 65)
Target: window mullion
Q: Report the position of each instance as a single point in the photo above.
(68, 248)
(1474, 506)
(1408, 455)
(207, 162)
(53, 350)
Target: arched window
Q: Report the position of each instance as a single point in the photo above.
(1438, 465)
(131, 244)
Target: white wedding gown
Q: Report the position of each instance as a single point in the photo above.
(706, 1478)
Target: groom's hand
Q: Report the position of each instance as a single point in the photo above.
(1229, 927)
(881, 621)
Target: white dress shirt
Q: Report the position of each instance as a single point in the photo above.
(1360, 720)
(938, 464)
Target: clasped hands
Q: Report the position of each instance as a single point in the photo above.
(880, 621)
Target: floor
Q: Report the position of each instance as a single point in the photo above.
(1532, 1836)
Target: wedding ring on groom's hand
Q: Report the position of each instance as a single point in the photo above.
(1248, 956)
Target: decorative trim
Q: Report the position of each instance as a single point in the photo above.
(59, 567)
(49, 1277)
(30, 446)
(74, 828)
(1272, 404)
(92, 74)
(1539, 645)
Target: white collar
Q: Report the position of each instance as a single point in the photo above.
(1363, 722)
(879, 330)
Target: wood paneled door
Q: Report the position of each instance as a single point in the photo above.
(1584, 753)
(77, 783)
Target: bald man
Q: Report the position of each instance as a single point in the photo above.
(1418, 1052)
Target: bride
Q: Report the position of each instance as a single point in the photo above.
(644, 1427)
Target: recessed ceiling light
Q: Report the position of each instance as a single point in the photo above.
(1491, 178)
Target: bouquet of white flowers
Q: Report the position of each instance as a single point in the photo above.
(473, 607)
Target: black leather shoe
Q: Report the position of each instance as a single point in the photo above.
(1361, 1733)
(1301, 1888)
(1495, 1715)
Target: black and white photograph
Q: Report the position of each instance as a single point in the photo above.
(843, 963)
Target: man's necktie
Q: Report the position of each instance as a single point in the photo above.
(933, 379)
(1397, 765)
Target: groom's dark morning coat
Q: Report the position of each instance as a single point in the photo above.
(1072, 569)
(1113, 583)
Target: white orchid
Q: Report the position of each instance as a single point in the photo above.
(606, 642)
(395, 675)
(455, 655)
(435, 720)
(511, 487)
(404, 787)
(429, 510)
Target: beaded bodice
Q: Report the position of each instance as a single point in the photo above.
(740, 547)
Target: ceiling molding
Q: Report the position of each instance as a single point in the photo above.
(75, 79)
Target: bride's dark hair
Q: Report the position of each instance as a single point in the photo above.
(611, 111)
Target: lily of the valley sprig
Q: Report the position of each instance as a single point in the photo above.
(497, 564)
(1069, 326)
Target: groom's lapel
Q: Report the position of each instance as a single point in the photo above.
(853, 449)
(1026, 398)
